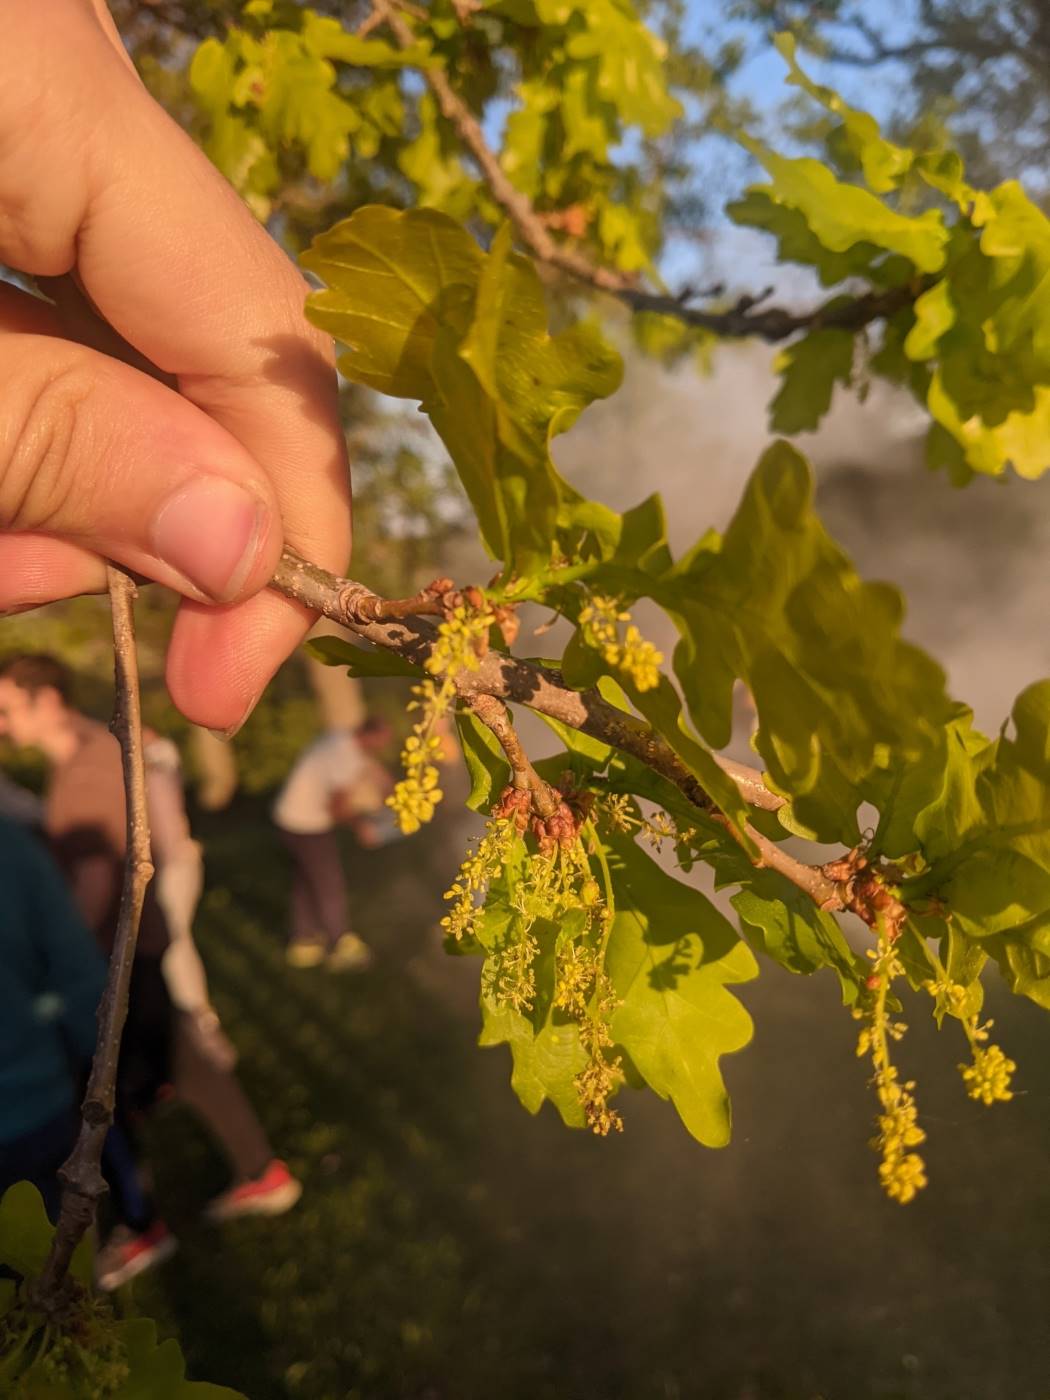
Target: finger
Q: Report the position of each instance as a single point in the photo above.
(99, 454)
(174, 262)
(35, 570)
(236, 643)
(237, 646)
(76, 319)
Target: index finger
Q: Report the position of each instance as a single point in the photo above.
(104, 182)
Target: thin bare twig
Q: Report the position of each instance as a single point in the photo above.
(542, 689)
(82, 1174)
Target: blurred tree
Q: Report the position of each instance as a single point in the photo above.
(982, 67)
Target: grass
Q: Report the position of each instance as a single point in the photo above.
(450, 1247)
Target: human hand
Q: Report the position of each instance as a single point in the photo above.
(195, 481)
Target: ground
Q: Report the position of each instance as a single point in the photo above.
(448, 1246)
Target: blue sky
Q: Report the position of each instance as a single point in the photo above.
(761, 78)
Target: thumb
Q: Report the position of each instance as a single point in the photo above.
(100, 454)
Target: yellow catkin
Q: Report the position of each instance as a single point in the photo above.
(987, 1079)
(638, 659)
(461, 641)
(902, 1171)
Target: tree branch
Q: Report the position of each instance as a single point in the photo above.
(776, 323)
(82, 1174)
(740, 321)
(542, 689)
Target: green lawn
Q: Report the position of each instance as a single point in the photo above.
(450, 1247)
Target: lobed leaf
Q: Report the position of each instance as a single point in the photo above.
(671, 956)
(427, 315)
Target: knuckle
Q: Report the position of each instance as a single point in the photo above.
(45, 441)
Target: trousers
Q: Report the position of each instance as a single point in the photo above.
(319, 897)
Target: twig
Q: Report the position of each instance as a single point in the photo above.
(542, 689)
(775, 323)
(493, 714)
(739, 321)
(810, 879)
(82, 1174)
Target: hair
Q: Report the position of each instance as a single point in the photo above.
(37, 670)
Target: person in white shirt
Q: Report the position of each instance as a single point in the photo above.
(337, 779)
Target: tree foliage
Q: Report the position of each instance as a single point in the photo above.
(600, 967)
(982, 70)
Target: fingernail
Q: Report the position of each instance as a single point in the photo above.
(209, 530)
(225, 735)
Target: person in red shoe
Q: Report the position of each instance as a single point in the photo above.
(162, 1044)
(273, 1193)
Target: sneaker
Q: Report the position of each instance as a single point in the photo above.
(270, 1194)
(126, 1254)
(350, 954)
(304, 954)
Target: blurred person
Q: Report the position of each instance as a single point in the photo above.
(85, 822)
(179, 879)
(338, 779)
(20, 805)
(51, 979)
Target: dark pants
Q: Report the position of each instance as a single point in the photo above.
(37, 1156)
(160, 1052)
(318, 904)
(215, 1095)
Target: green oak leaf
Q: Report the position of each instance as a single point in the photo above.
(360, 660)
(545, 1061)
(883, 163)
(780, 607)
(810, 368)
(486, 762)
(842, 215)
(912, 797)
(934, 317)
(782, 922)
(985, 834)
(428, 316)
(985, 329)
(796, 240)
(671, 957)
(629, 60)
(157, 1371)
(327, 38)
(393, 280)
(1020, 440)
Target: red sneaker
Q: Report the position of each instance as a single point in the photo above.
(270, 1194)
(126, 1254)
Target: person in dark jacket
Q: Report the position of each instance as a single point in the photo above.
(84, 819)
(51, 979)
